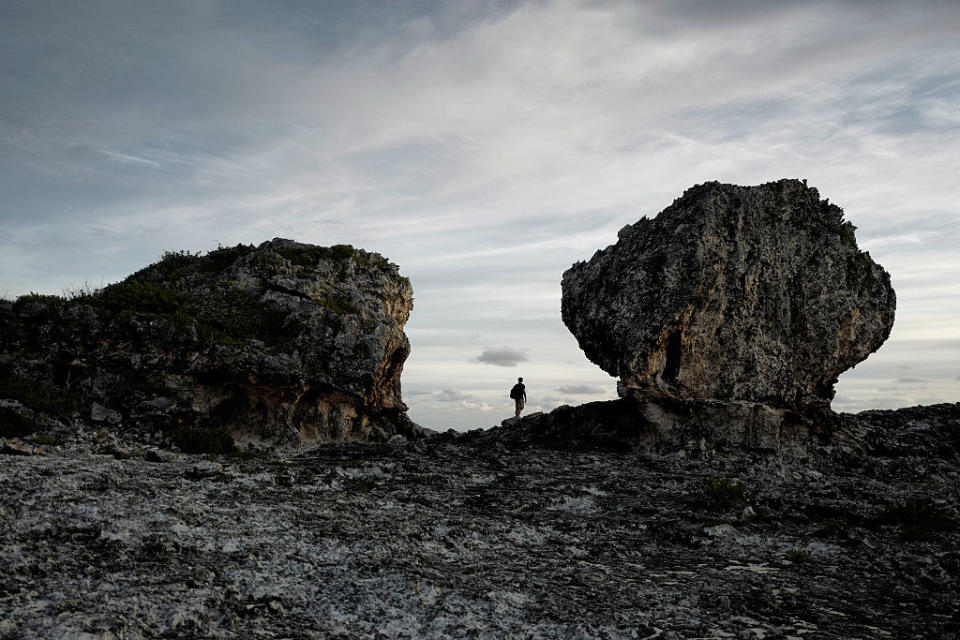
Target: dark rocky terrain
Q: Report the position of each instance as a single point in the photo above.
(480, 535)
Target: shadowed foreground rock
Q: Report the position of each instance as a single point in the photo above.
(481, 536)
(755, 294)
(286, 343)
(659, 425)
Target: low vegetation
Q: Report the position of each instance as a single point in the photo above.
(39, 396)
(46, 439)
(309, 256)
(186, 266)
(718, 493)
(133, 296)
(799, 556)
(919, 519)
(338, 304)
(204, 440)
(834, 528)
(14, 425)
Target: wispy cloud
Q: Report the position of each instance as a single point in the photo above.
(451, 395)
(579, 389)
(127, 158)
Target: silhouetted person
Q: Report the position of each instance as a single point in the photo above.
(519, 395)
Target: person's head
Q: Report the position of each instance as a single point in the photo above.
(519, 379)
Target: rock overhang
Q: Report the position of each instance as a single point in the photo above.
(732, 293)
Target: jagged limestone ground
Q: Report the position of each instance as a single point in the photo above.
(756, 294)
(464, 536)
(284, 342)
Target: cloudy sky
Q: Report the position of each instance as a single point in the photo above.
(484, 146)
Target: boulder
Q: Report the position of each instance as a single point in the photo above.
(283, 343)
(99, 413)
(756, 294)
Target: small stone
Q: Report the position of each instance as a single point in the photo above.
(119, 453)
(159, 455)
(16, 448)
(398, 441)
(204, 469)
(719, 530)
(748, 514)
(161, 403)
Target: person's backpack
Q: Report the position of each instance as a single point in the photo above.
(515, 392)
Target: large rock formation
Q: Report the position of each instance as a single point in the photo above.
(755, 294)
(286, 342)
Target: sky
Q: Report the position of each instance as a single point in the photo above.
(484, 147)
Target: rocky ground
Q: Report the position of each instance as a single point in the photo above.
(469, 537)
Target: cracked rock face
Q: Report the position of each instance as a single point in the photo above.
(732, 293)
(283, 343)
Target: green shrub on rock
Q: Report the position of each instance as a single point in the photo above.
(36, 393)
(799, 556)
(140, 297)
(308, 255)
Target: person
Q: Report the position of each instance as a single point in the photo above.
(519, 395)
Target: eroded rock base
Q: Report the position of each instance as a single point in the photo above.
(659, 425)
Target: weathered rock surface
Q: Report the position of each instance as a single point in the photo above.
(283, 343)
(732, 293)
(659, 425)
(464, 536)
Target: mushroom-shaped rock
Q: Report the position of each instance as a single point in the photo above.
(732, 293)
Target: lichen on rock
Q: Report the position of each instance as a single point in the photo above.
(732, 293)
(283, 343)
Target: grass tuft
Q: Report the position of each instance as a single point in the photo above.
(799, 556)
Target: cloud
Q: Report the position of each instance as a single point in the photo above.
(451, 395)
(502, 357)
(480, 406)
(481, 161)
(579, 389)
(911, 381)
